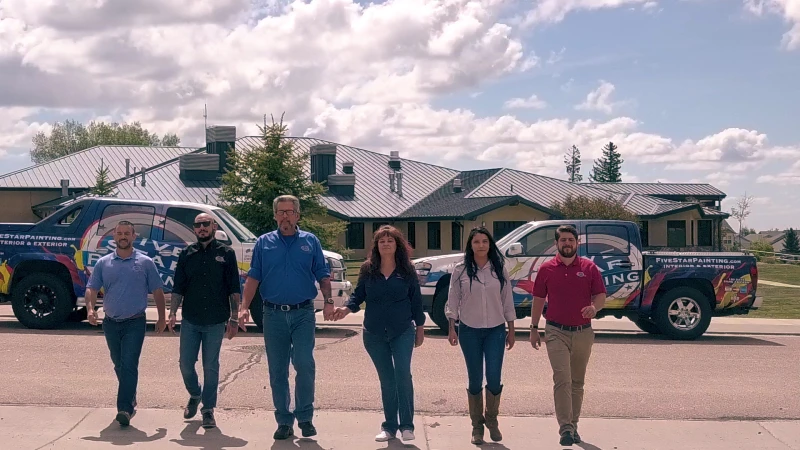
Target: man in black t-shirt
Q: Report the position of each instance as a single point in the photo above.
(207, 286)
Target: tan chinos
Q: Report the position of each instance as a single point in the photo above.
(569, 353)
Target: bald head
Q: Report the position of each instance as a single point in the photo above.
(204, 227)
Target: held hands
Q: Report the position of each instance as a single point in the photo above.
(171, 323)
(91, 315)
(340, 313)
(161, 325)
(244, 316)
(589, 312)
(231, 328)
(328, 312)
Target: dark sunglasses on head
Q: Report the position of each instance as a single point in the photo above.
(205, 223)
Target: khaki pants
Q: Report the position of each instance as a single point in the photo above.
(569, 353)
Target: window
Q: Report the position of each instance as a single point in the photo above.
(676, 233)
(501, 228)
(434, 236)
(456, 235)
(607, 240)
(241, 231)
(412, 234)
(179, 225)
(70, 217)
(139, 215)
(355, 235)
(376, 225)
(644, 231)
(540, 242)
(704, 233)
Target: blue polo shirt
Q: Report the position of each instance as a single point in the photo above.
(126, 283)
(288, 266)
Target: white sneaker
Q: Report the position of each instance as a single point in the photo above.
(384, 436)
(408, 435)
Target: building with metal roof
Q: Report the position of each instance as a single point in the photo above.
(433, 205)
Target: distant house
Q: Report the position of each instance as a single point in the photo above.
(775, 238)
(434, 206)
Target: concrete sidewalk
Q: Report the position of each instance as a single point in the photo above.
(33, 428)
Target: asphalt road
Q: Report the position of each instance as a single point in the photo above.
(629, 376)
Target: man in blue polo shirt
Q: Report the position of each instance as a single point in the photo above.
(127, 276)
(286, 262)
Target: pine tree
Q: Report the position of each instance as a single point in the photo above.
(791, 243)
(256, 176)
(573, 161)
(102, 184)
(608, 169)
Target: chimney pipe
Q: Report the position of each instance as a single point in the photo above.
(143, 180)
(392, 177)
(394, 160)
(127, 167)
(64, 188)
(134, 177)
(457, 185)
(399, 183)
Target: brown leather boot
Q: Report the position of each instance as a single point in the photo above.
(492, 410)
(476, 414)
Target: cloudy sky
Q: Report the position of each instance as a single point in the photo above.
(690, 90)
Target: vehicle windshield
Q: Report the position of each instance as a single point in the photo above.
(514, 235)
(235, 226)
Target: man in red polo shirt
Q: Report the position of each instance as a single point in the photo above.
(575, 292)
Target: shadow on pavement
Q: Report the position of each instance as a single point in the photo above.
(297, 443)
(642, 338)
(130, 435)
(587, 446)
(212, 439)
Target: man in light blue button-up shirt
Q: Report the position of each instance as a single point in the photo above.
(285, 263)
(127, 276)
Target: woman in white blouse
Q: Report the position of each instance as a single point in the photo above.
(480, 302)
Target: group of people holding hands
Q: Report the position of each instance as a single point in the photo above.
(285, 265)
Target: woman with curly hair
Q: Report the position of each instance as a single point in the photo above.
(393, 325)
(481, 302)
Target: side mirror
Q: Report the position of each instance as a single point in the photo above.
(514, 249)
(222, 236)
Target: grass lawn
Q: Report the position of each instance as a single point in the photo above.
(779, 273)
(779, 303)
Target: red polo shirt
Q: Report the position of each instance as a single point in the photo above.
(568, 289)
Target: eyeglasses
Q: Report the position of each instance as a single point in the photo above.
(285, 212)
(205, 223)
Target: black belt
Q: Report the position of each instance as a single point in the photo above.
(568, 327)
(118, 320)
(287, 307)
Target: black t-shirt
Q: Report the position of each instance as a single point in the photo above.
(394, 304)
(206, 277)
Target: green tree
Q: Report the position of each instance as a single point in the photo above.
(791, 244)
(608, 169)
(72, 136)
(581, 207)
(102, 185)
(276, 167)
(572, 159)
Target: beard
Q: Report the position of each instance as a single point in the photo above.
(204, 238)
(124, 246)
(566, 252)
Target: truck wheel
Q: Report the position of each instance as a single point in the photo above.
(42, 301)
(647, 326)
(683, 313)
(437, 310)
(257, 312)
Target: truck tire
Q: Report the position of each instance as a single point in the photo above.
(49, 293)
(647, 326)
(437, 310)
(677, 313)
(257, 312)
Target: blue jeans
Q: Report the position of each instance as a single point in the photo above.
(289, 336)
(479, 344)
(392, 359)
(125, 340)
(210, 338)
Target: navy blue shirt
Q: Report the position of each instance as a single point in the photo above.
(395, 303)
(288, 268)
(125, 282)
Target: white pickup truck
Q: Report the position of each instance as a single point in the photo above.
(44, 267)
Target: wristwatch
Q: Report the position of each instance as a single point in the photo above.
(329, 301)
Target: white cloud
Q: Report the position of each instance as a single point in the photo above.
(789, 9)
(532, 102)
(789, 177)
(553, 11)
(600, 99)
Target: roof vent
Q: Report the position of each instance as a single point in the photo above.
(347, 167)
(323, 162)
(143, 180)
(457, 185)
(394, 160)
(342, 184)
(199, 166)
(64, 188)
(127, 167)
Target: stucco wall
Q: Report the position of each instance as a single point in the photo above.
(16, 205)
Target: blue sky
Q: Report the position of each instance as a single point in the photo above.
(694, 90)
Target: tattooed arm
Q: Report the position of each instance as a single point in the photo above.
(234, 300)
(174, 303)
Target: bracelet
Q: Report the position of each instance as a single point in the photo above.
(233, 320)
